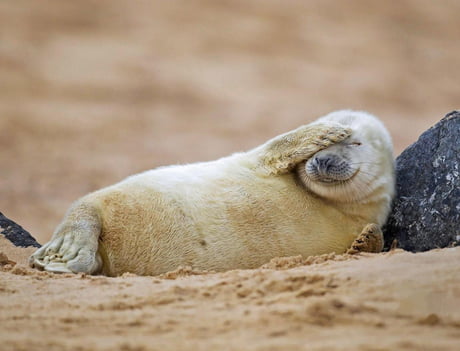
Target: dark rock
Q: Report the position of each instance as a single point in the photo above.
(15, 233)
(426, 210)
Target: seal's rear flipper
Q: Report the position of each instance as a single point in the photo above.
(73, 247)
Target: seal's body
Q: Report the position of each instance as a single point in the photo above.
(307, 192)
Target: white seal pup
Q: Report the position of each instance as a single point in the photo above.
(306, 192)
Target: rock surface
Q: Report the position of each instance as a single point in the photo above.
(15, 233)
(426, 210)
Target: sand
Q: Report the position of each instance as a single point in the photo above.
(388, 301)
(94, 91)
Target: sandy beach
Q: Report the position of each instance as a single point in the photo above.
(94, 91)
(388, 301)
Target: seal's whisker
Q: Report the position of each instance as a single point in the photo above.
(365, 163)
(367, 173)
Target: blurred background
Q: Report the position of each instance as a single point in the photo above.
(92, 91)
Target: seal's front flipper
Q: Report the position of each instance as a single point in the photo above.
(370, 240)
(281, 154)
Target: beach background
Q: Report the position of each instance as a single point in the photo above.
(92, 91)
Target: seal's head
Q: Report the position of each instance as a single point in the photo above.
(359, 169)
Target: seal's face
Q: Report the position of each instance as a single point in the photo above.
(333, 165)
(358, 169)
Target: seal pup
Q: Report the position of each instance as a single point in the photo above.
(309, 191)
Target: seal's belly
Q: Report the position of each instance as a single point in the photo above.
(159, 232)
(255, 239)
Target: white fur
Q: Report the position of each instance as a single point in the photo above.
(236, 212)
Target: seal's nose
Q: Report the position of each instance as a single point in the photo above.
(323, 163)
